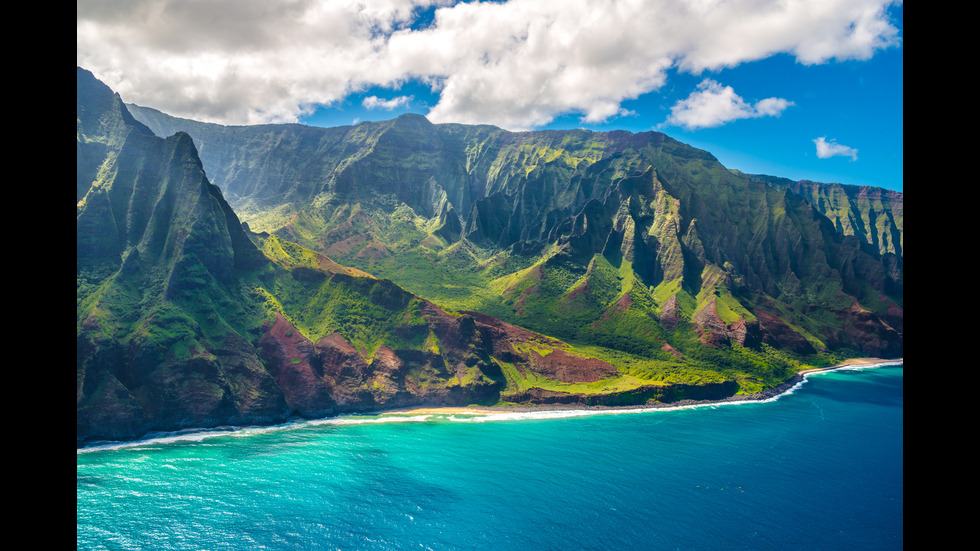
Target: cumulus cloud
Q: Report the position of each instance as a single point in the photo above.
(714, 105)
(826, 149)
(518, 64)
(374, 102)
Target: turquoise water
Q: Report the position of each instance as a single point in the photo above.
(819, 468)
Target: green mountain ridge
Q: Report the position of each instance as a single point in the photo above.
(405, 263)
(185, 319)
(744, 256)
(874, 215)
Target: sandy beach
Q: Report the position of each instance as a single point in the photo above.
(765, 395)
(852, 363)
(447, 410)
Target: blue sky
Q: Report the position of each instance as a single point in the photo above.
(799, 89)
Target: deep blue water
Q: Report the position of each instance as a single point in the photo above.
(820, 468)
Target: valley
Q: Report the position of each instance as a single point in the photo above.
(237, 275)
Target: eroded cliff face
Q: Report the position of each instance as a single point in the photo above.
(181, 321)
(642, 395)
(187, 319)
(542, 208)
(875, 216)
(157, 245)
(671, 277)
(331, 376)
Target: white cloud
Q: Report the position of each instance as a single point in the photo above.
(826, 150)
(374, 102)
(517, 64)
(714, 105)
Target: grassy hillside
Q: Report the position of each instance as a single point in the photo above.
(186, 318)
(629, 241)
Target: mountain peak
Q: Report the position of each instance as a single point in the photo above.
(411, 120)
(412, 116)
(100, 112)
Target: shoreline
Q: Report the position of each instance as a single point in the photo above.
(497, 411)
(768, 394)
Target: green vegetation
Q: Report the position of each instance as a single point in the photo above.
(645, 269)
(627, 199)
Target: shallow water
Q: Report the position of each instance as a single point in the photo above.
(820, 468)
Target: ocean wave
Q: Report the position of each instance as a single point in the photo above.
(858, 367)
(157, 439)
(200, 435)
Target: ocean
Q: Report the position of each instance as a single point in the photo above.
(821, 467)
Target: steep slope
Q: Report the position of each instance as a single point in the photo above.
(186, 318)
(630, 241)
(183, 321)
(155, 243)
(874, 215)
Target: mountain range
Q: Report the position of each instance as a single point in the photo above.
(233, 275)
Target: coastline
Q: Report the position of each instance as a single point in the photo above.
(769, 394)
(500, 412)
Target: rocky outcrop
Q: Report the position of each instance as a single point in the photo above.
(866, 331)
(649, 394)
(290, 358)
(874, 215)
(157, 250)
(780, 335)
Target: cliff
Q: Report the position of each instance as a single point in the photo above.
(606, 238)
(404, 263)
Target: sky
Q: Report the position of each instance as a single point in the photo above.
(803, 89)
